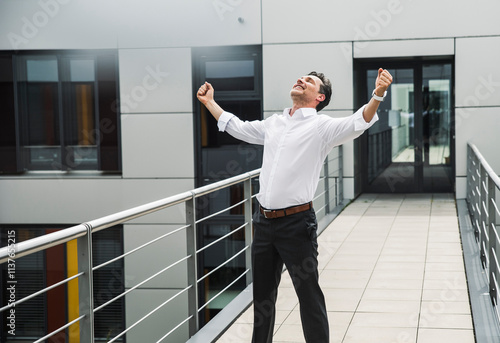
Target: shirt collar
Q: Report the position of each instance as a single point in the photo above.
(301, 112)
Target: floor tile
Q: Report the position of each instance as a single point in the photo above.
(445, 335)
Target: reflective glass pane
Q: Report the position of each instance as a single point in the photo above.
(391, 154)
(436, 124)
(41, 70)
(235, 75)
(82, 70)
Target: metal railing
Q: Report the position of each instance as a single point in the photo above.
(483, 195)
(328, 196)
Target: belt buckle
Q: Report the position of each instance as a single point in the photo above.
(266, 212)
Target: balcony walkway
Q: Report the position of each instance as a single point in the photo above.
(392, 272)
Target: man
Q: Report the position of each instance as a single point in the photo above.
(296, 143)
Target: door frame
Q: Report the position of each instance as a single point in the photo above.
(361, 65)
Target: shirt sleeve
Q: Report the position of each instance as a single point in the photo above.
(252, 132)
(337, 131)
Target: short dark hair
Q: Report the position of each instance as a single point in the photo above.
(325, 88)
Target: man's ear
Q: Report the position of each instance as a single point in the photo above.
(321, 97)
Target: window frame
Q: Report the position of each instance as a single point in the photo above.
(105, 63)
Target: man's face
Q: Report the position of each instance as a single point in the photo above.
(306, 89)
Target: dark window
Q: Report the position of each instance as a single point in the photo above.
(236, 75)
(47, 312)
(8, 161)
(65, 119)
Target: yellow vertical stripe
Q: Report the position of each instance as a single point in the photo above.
(73, 306)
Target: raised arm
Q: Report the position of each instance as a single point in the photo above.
(384, 80)
(206, 96)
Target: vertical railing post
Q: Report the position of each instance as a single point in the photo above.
(484, 218)
(85, 287)
(477, 198)
(468, 176)
(192, 265)
(492, 249)
(340, 197)
(327, 186)
(247, 193)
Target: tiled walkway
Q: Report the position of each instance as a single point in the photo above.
(392, 272)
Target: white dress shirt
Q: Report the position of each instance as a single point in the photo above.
(295, 148)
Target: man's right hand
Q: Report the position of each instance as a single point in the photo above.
(206, 96)
(205, 93)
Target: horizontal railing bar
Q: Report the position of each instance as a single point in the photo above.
(60, 329)
(495, 205)
(221, 238)
(33, 295)
(141, 283)
(150, 313)
(198, 192)
(140, 247)
(44, 242)
(221, 211)
(496, 259)
(138, 211)
(319, 195)
(494, 177)
(123, 216)
(321, 208)
(222, 264)
(485, 209)
(496, 233)
(168, 333)
(214, 297)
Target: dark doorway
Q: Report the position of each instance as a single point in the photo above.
(411, 148)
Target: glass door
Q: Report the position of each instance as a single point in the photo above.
(410, 148)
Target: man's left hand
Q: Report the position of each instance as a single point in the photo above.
(384, 80)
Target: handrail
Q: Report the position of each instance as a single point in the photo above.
(486, 165)
(331, 192)
(44, 242)
(483, 191)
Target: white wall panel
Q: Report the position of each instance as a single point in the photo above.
(461, 187)
(478, 72)
(78, 200)
(288, 21)
(157, 145)
(348, 188)
(139, 303)
(284, 64)
(154, 23)
(479, 126)
(151, 259)
(89, 24)
(404, 48)
(58, 24)
(155, 80)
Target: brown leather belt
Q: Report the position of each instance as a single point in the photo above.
(272, 214)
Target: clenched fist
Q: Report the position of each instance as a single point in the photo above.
(384, 80)
(205, 93)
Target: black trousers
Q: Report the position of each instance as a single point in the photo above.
(291, 240)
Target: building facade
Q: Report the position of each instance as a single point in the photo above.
(99, 114)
